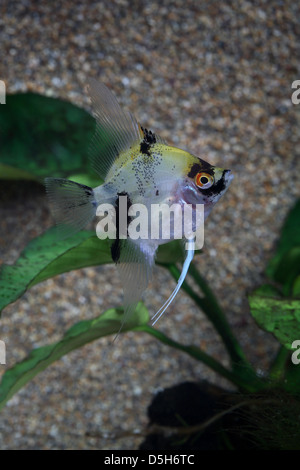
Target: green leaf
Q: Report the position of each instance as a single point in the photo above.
(296, 287)
(266, 290)
(284, 267)
(288, 268)
(279, 316)
(10, 173)
(77, 336)
(171, 253)
(89, 180)
(45, 257)
(42, 136)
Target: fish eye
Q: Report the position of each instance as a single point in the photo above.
(204, 180)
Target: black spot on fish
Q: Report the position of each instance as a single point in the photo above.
(157, 193)
(116, 246)
(198, 167)
(149, 139)
(115, 250)
(145, 148)
(88, 191)
(149, 136)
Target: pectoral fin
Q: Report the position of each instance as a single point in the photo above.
(73, 205)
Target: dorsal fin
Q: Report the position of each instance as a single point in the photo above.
(115, 131)
(146, 135)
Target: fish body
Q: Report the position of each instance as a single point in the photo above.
(137, 164)
(164, 174)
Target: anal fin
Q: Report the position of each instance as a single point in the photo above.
(135, 265)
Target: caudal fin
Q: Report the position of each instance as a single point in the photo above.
(73, 205)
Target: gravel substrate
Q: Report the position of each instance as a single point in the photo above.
(210, 77)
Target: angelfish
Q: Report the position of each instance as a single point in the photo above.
(136, 163)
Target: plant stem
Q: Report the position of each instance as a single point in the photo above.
(214, 312)
(200, 355)
(277, 369)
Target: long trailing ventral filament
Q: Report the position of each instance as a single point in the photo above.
(185, 268)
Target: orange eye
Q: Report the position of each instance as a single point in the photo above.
(204, 180)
